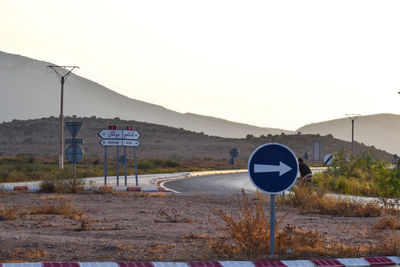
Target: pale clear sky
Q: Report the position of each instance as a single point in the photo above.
(277, 64)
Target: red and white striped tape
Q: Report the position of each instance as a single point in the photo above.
(351, 262)
(36, 188)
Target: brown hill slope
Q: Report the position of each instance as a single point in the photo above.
(41, 137)
(30, 90)
(380, 130)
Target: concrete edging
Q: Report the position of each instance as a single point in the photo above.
(350, 262)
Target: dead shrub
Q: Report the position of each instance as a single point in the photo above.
(388, 223)
(33, 254)
(197, 236)
(7, 214)
(62, 207)
(53, 197)
(314, 201)
(126, 248)
(171, 217)
(247, 234)
(61, 186)
(389, 245)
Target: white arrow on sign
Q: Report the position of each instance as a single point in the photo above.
(111, 142)
(282, 168)
(130, 135)
(130, 143)
(111, 134)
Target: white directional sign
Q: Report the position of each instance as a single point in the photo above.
(130, 143)
(130, 135)
(111, 134)
(282, 168)
(111, 142)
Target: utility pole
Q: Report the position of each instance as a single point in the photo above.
(352, 117)
(62, 79)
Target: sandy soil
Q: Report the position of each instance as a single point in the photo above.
(130, 227)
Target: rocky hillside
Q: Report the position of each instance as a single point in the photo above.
(41, 137)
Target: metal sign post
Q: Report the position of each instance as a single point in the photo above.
(125, 162)
(74, 153)
(117, 166)
(125, 138)
(105, 165)
(134, 158)
(273, 168)
(272, 225)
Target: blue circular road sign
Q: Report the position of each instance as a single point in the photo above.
(123, 160)
(74, 155)
(234, 152)
(273, 168)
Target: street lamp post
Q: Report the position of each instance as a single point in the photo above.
(62, 78)
(352, 117)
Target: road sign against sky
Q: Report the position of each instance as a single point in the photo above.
(273, 168)
(204, 57)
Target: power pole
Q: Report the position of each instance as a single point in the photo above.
(62, 79)
(352, 117)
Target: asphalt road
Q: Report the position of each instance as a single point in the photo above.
(226, 184)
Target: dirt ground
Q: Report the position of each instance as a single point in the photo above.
(137, 227)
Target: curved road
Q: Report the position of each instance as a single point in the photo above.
(213, 185)
(225, 184)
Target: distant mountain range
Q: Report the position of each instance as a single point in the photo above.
(380, 130)
(30, 90)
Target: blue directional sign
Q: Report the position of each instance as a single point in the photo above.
(273, 168)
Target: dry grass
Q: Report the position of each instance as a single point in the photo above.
(63, 207)
(197, 236)
(54, 197)
(61, 186)
(170, 217)
(125, 248)
(314, 201)
(389, 245)
(388, 223)
(246, 234)
(7, 214)
(30, 254)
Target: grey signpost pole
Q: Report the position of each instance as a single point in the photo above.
(125, 161)
(272, 225)
(134, 157)
(352, 117)
(105, 165)
(117, 165)
(74, 163)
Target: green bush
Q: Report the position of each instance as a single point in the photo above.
(360, 176)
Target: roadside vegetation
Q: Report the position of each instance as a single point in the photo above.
(27, 167)
(364, 176)
(246, 234)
